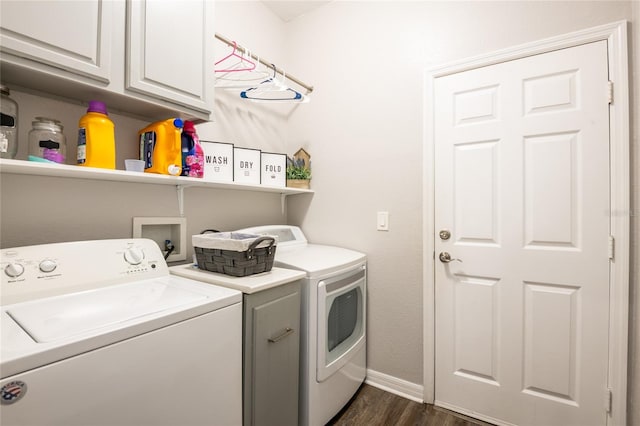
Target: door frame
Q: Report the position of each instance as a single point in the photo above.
(619, 186)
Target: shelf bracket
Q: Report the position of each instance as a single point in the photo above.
(283, 202)
(180, 194)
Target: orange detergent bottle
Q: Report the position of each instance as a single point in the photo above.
(161, 147)
(96, 138)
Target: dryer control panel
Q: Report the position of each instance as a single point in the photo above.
(286, 235)
(32, 272)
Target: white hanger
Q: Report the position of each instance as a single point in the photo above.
(272, 90)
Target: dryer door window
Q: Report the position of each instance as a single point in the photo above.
(341, 320)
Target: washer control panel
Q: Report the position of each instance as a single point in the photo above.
(32, 272)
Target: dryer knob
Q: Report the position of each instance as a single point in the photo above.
(48, 265)
(134, 256)
(14, 270)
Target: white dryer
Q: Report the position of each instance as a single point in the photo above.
(99, 333)
(333, 316)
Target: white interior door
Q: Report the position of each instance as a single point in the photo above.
(522, 184)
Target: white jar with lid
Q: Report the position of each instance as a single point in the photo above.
(47, 141)
(9, 125)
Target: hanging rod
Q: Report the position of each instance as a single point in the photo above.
(264, 62)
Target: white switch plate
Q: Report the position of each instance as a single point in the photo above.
(383, 221)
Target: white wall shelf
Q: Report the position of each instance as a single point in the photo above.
(79, 172)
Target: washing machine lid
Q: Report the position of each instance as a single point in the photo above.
(317, 259)
(42, 331)
(56, 318)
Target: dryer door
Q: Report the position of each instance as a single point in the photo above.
(341, 320)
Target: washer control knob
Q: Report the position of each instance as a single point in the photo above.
(14, 270)
(134, 256)
(48, 265)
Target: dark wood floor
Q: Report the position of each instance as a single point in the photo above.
(374, 407)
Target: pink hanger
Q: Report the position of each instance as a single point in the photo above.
(249, 67)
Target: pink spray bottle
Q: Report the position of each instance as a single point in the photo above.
(192, 153)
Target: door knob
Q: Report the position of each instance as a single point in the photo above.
(446, 258)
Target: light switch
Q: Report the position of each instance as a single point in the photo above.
(383, 221)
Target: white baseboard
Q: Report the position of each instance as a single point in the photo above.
(396, 386)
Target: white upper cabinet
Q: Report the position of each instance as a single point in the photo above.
(73, 35)
(150, 58)
(170, 50)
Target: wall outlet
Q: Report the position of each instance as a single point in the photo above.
(161, 229)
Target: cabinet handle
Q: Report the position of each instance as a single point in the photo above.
(287, 331)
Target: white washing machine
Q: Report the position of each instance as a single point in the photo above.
(99, 333)
(333, 316)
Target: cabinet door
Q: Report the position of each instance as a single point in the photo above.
(170, 51)
(74, 35)
(275, 361)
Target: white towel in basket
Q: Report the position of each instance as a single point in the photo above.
(234, 241)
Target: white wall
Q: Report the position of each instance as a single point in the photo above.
(364, 131)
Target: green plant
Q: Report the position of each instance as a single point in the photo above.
(297, 172)
(296, 169)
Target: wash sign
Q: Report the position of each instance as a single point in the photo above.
(218, 161)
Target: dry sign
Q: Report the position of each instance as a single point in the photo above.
(246, 165)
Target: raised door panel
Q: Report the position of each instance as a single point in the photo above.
(170, 51)
(551, 195)
(476, 192)
(476, 331)
(551, 326)
(73, 35)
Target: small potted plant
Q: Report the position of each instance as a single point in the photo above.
(298, 173)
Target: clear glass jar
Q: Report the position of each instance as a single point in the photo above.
(9, 125)
(47, 141)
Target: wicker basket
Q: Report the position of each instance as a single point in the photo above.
(234, 254)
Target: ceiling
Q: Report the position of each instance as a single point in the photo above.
(288, 10)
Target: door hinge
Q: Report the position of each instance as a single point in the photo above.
(608, 400)
(610, 91)
(612, 247)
